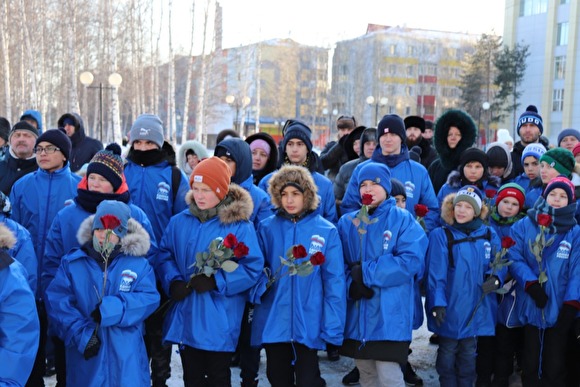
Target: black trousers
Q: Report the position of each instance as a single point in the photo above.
(36, 378)
(544, 350)
(509, 342)
(484, 360)
(290, 365)
(249, 356)
(159, 354)
(205, 368)
(59, 361)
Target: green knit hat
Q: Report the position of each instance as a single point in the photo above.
(561, 159)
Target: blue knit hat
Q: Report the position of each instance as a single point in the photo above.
(376, 172)
(298, 130)
(119, 210)
(535, 149)
(472, 195)
(531, 116)
(147, 127)
(109, 164)
(568, 132)
(239, 151)
(562, 182)
(397, 188)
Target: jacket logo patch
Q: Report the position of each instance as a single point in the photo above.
(387, 236)
(127, 279)
(316, 244)
(487, 249)
(564, 249)
(409, 188)
(162, 191)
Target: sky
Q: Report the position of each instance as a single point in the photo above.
(324, 22)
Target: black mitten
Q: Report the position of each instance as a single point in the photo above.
(577, 329)
(202, 283)
(178, 290)
(96, 314)
(490, 284)
(357, 277)
(439, 313)
(538, 294)
(93, 346)
(565, 318)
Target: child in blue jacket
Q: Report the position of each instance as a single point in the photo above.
(459, 305)
(100, 297)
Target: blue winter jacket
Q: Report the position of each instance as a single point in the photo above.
(458, 288)
(414, 177)
(19, 327)
(62, 237)
(211, 320)
(393, 259)
(562, 263)
(327, 207)
(23, 250)
(262, 206)
(130, 296)
(151, 190)
(311, 309)
(523, 180)
(36, 198)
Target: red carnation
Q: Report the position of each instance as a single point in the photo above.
(507, 242)
(298, 251)
(317, 259)
(421, 210)
(367, 199)
(544, 220)
(490, 193)
(241, 250)
(230, 241)
(110, 222)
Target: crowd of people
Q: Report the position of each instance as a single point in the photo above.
(111, 256)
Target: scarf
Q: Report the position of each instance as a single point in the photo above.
(562, 218)
(205, 215)
(89, 200)
(390, 160)
(94, 254)
(502, 221)
(468, 227)
(294, 218)
(147, 158)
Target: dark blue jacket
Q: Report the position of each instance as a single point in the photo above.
(83, 146)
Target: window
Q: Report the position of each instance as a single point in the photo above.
(410, 71)
(533, 7)
(560, 67)
(562, 38)
(558, 100)
(411, 51)
(408, 111)
(393, 49)
(409, 91)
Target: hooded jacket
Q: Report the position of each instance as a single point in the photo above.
(392, 256)
(197, 147)
(36, 198)
(83, 146)
(311, 309)
(130, 296)
(23, 249)
(458, 288)
(455, 181)
(272, 162)
(211, 320)
(36, 116)
(447, 158)
(20, 330)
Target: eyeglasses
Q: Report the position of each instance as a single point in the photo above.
(48, 150)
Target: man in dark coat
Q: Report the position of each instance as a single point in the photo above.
(333, 156)
(19, 160)
(83, 146)
(415, 126)
(530, 128)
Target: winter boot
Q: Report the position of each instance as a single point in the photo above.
(249, 383)
(351, 378)
(410, 376)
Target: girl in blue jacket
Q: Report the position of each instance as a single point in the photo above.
(299, 315)
(206, 315)
(384, 255)
(19, 330)
(549, 307)
(459, 303)
(99, 302)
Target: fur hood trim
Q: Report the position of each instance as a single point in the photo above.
(297, 175)
(135, 243)
(7, 238)
(240, 209)
(197, 147)
(463, 121)
(448, 212)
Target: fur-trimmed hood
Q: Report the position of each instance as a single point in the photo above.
(297, 175)
(462, 121)
(135, 243)
(240, 209)
(7, 238)
(447, 211)
(454, 180)
(197, 147)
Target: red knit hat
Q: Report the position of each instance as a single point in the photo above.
(576, 150)
(215, 173)
(511, 190)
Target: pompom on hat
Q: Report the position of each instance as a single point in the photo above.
(561, 159)
(512, 190)
(109, 164)
(472, 195)
(562, 182)
(531, 116)
(58, 138)
(115, 208)
(215, 173)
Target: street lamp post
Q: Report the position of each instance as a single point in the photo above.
(485, 106)
(115, 80)
(237, 103)
(370, 100)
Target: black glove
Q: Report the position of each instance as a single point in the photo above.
(93, 346)
(439, 313)
(360, 287)
(96, 314)
(538, 294)
(202, 283)
(565, 318)
(577, 329)
(178, 290)
(490, 284)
